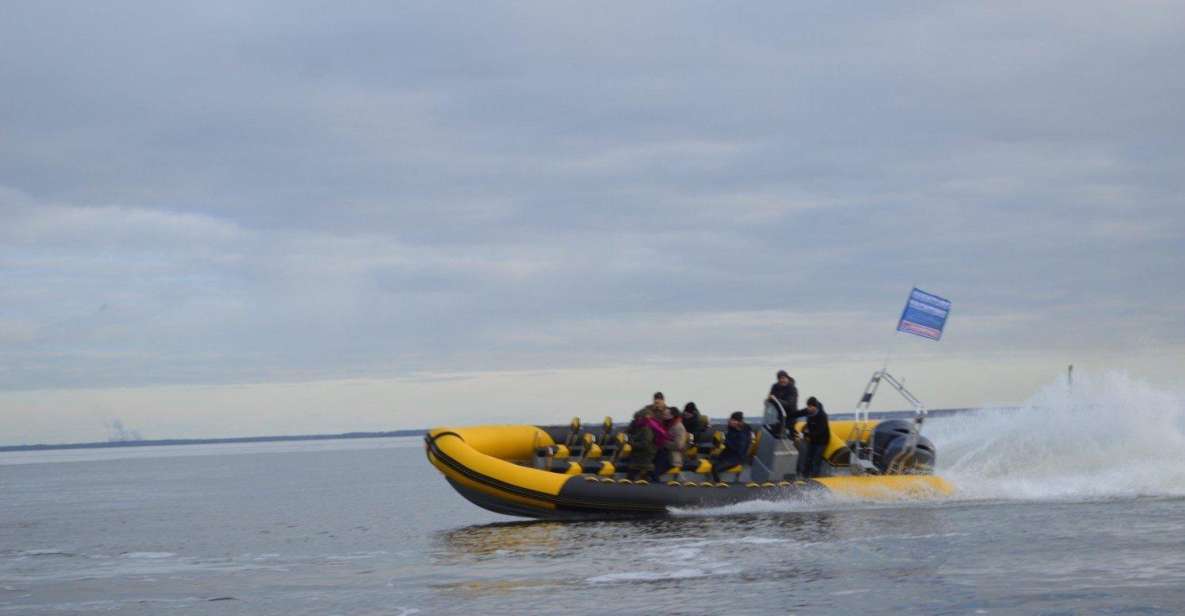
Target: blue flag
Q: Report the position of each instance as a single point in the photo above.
(924, 315)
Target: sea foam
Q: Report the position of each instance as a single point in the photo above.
(1108, 436)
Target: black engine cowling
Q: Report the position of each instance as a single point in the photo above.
(886, 432)
(890, 439)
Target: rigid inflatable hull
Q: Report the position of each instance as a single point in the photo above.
(480, 463)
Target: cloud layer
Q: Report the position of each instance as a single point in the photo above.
(220, 193)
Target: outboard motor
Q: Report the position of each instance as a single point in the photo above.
(890, 439)
(886, 432)
(920, 463)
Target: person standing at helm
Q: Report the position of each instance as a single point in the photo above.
(786, 394)
(817, 435)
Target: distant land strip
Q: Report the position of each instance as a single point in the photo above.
(212, 441)
(392, 433)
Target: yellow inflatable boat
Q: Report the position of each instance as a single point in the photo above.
(567, 472)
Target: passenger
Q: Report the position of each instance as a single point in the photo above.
(736, 445)
(657, 406)
(817, 434)
(647, 438)
(694, 421)
(786, 394)
(676, 443)
(642, 447)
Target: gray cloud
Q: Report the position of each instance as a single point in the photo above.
(219, 193)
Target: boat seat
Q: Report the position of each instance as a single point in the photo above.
(717, 444)
(606, 439)
(573, 438)
(564, 467)
(623, 448)
(558, 452)
(607, 469)
(735, 471)
(754, 442)
(590, 450)
(672, 474)
(603, 468)
(596, 467)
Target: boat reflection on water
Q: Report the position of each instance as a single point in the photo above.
(549, 539)
(506, 537)
(695, 557)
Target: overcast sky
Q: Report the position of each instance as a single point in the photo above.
(231, 217)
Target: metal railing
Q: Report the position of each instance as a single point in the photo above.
(861, 454)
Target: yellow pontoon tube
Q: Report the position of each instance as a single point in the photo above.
(541, 472)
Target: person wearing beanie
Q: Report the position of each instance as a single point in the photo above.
(785, 392)
(647, 438)
(695, 422)
(816, 436)
(658, 405)
(736, 445)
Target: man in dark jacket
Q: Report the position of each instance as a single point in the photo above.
(786, 394)
(694, 421)
(817, 434)
(736, 445)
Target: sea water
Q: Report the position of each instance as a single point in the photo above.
(1074, 503)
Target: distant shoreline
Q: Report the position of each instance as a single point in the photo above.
(212, 441)
(349, 435)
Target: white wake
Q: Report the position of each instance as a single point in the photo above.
(1103, 437)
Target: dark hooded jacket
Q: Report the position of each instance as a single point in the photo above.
(786, 394)
(736, 445)
(694, 421)
(818, 428)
